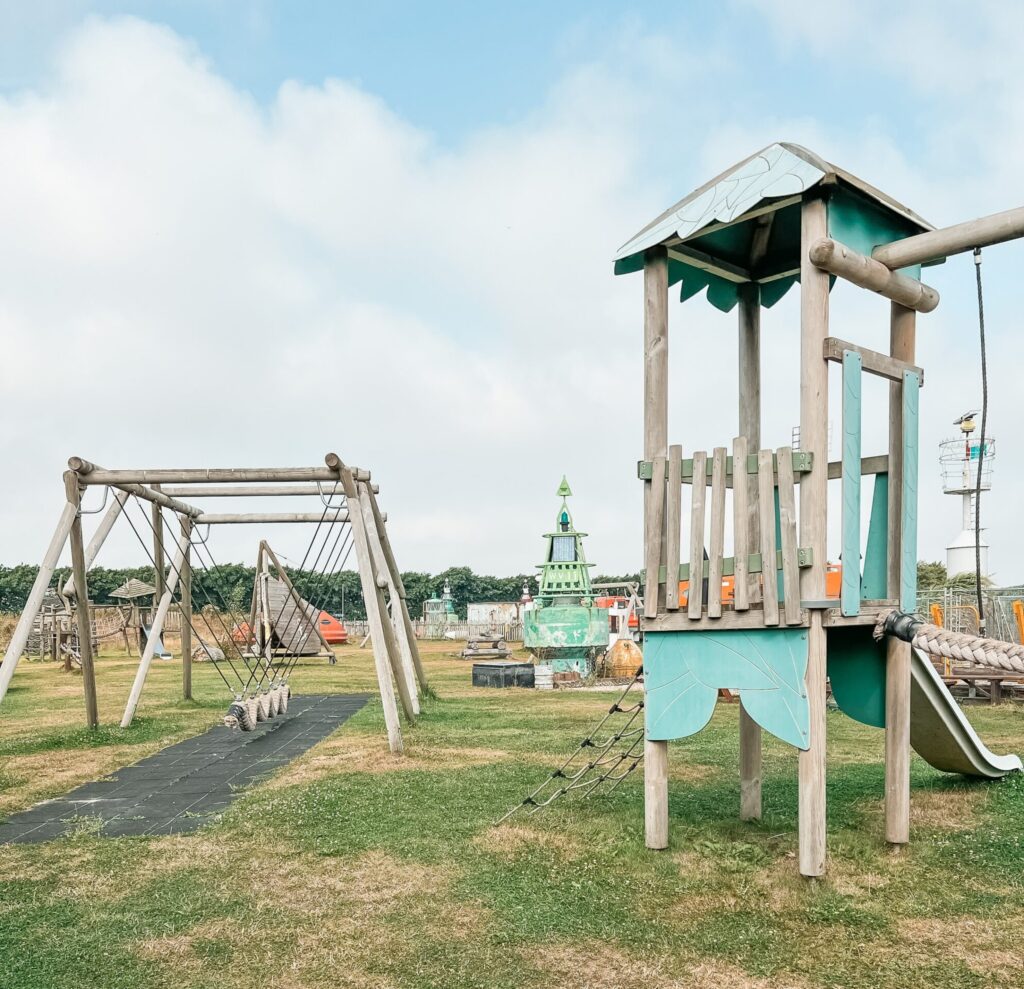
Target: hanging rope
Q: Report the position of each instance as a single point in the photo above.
(981, 446)
(607, 758)
(260, 688)
(149, 555)
(951, 645)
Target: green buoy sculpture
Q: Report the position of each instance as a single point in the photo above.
(564, 629)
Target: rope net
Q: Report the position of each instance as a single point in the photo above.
(611, 752)
(253, 663)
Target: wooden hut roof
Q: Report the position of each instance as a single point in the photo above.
(293, 628)
(713, 233)
(133, 588)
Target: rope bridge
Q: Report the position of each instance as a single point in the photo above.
(256, 674)
(613, 749)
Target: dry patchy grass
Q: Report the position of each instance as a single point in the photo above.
(989, 948)
(354, 752)
(598, 965)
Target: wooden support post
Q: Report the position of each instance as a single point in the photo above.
(185, 610)
(902, 340)
(74, 496)
(375, 615)
(656, 795)
(389, 556)
(814, 287)
(155, 631)
(159, 560)
(655, 447)
(35, 596)
(750, 430)
(405, 670)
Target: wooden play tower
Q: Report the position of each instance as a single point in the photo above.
(783, 217)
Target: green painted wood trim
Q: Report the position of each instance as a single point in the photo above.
(804, 558)
(852, 380)
(802, 464)
(874, 583)
(908, 522)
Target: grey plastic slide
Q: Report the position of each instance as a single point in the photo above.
(940, 733)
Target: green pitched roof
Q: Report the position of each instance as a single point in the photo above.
(744, 225)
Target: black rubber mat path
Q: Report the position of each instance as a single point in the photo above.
(184, 786)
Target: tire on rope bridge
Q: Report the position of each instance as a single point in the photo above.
(247, 713)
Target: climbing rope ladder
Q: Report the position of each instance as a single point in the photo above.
(612, 750)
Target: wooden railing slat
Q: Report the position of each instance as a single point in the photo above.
(741, 529)
(655, 527)
(787, 525)
(673, 513)
(766, 523)
(695, 595)
(717, 548)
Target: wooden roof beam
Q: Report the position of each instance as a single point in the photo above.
(705, 262)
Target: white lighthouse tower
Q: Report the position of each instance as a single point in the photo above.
(959, 459)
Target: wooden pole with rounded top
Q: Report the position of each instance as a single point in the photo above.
(655, 446)
(902, 333)
(814, 287)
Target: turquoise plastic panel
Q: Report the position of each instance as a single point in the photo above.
(863, 225)
(683, 672)
(850, 593)
(908, 558)
(856, 668)
(874, 584)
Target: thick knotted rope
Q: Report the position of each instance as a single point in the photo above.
(950, 645)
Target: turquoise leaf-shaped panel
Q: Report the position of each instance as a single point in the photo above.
(683, 672)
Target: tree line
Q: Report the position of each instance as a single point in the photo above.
(228, 587)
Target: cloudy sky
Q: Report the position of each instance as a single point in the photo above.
(244, 234)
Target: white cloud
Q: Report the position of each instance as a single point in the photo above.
(192, 278)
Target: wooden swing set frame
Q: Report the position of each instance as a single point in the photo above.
(396, 655)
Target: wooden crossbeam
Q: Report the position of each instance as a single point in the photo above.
(802, 463)
(871, 360)
(755, 564)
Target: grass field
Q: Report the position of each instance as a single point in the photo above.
(352, 868)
